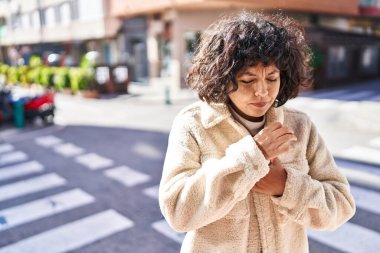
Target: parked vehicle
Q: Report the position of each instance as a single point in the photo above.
(22, 105)
(40, 107)
(6, 110)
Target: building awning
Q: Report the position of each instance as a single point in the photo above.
(125, 8)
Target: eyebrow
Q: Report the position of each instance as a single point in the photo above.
(253, 74)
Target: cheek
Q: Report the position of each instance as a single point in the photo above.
(273, 91)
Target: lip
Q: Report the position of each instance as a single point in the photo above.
(259, 104)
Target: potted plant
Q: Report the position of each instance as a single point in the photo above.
(82, 81)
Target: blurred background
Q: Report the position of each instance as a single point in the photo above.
(88, 93)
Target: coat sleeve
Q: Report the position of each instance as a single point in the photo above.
(193, 194)
(321, 199)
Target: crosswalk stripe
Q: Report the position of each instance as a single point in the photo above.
(6, 148)
(163, 227)
(356, 95)
(363, 154)
(21, 169)
(14, 157)
(361, 177)
(94, 161)
(375, 142)
(366, 199)
(324, 104)
(68, 149)
(152, 192)
(48, 141)
(73, 235)
(349, 238)
(147, 150)
(29, 186)
(329, 94)
(41, 208)
(127, 176)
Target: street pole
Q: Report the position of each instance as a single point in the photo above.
(168, 100)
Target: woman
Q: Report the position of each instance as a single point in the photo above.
(242, 172)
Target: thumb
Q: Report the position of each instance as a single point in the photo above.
(275, 161)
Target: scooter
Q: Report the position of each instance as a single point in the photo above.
(20, 105)
(40, 107)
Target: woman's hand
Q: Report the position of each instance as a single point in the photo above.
(274, 140)
(274, 182)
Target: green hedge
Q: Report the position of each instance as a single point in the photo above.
(74, 78)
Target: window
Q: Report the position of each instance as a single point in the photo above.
(25, 21)
(90, 9)
(337, 66)
(369, 60)
(65, 11)
(36, 23)
(370, 3)
(192, 40)
(15, 21)
(50, 17)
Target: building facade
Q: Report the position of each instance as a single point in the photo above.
(173, 28)
(157, 38)
(67, 28)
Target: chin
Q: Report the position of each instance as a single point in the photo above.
(256, 115)
(257, 112)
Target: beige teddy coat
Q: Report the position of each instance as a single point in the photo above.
(211, 165)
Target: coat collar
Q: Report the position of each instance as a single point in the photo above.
(214, 113)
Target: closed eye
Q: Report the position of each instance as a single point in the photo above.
(272, 80)
(248, 81)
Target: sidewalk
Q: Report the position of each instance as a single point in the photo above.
(341, 123)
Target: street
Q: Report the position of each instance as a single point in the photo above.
(90, 182)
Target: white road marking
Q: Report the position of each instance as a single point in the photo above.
(94, 161)
(20, 169)
(152, 192)
(363, 154)
(349, 238)
(147, 150)
(366, 199)
(375, 142)
(6, 148)
(48, 141)
(45, 207)
(127, 176)
(29, 186)
(163, 227)
(324, 104)
(72, 235)
(361, 177)
(68, 149)
(14, 157)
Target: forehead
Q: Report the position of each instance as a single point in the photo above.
(259, 70)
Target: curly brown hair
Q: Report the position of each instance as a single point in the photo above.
(236, 42)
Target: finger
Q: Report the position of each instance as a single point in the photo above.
(271, 147)
(268, 130)
(284, 139)
(275, 162)
(272, 127)
(281, 131)
(267, 136)
(275, 152)
(285, 148)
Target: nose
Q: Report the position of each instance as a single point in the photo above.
(261, 89)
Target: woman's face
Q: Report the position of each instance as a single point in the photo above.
(257, 89)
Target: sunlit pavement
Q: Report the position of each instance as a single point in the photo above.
(89, 183)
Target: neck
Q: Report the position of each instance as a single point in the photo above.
(245, 116)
